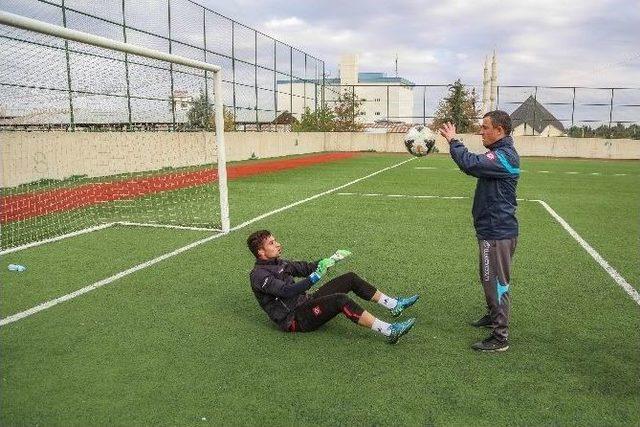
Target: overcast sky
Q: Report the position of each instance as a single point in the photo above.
(538, 42)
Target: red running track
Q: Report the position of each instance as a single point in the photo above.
(24, 206)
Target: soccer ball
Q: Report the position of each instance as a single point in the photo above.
(420, 141)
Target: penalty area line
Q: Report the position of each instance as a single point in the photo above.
(48, 304)
(615, 275)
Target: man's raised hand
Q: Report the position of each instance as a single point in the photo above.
(448, 130)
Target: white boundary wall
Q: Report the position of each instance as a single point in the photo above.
(30, 156)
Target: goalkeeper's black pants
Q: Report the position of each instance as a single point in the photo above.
(495, 274)
(330, 300)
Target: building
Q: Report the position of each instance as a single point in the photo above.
(531, 118)
(388, 99)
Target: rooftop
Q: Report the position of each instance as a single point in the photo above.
(363, 78)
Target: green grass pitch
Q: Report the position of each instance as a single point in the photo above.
(184, 342)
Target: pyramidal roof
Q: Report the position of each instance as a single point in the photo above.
(535, 115)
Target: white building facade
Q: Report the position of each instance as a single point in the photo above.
(383, 98)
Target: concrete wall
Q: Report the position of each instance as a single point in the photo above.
(31, 156)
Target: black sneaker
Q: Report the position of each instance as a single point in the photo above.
(483, 322)
(491, 344)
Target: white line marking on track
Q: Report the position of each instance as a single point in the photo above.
(108, 280)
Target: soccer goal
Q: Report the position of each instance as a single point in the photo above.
(57, 183)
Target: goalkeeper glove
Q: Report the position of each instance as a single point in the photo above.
(340, 254)
(321, 269)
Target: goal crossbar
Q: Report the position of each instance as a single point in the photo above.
(34, 25)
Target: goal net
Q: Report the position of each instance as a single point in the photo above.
(96, 132)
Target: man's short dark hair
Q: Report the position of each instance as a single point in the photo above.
(500, 118)
(256, 239)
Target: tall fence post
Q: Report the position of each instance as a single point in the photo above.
(535, 99)
(304, 85)
(424, 105)
(204, 43)
(573, 105)
(275, 84)
(72, 124)
(126, 63)
(291, 79)
(387, 103)
(255, 71)
(611, 111)
(233, 68)
(172, 94)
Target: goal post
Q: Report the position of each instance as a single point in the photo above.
(138, 188)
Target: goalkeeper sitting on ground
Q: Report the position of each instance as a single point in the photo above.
(294, 310)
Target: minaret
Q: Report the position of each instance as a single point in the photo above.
(494, 82)
(485, 87)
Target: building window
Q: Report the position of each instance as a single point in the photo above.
(377, 100)
(377, 113)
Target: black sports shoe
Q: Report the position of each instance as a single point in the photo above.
(483, 322)
(491, 344)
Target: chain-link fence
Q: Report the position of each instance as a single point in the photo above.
(51, 83)
(535, 110)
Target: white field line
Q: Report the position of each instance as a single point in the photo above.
(594, 254)
(55, 239)
(258, 218)
(96, 285)
(407, 196)
(617, 277)
(103, 282)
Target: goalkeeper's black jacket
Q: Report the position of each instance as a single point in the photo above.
(277, 293)
(494, 203)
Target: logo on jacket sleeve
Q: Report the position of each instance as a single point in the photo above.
(317, 311)
(491, 156)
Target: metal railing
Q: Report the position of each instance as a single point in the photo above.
(536, 107)
(50, 83)
(46, 82)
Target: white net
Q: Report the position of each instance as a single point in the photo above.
(56, 182)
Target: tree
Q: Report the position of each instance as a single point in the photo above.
(201, 115)
(458, 108)
(321, 120)
(347, 109)
(604, 131)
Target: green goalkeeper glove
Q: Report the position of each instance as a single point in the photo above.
(321, 269)
(340, 254)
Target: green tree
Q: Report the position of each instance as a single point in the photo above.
(321, 120)
(201, 115)
(459, 108)
(604, 131)
(347, 110)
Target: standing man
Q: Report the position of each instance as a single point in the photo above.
(288, 305)
(494, 218)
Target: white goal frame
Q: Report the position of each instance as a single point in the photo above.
(34, 25)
